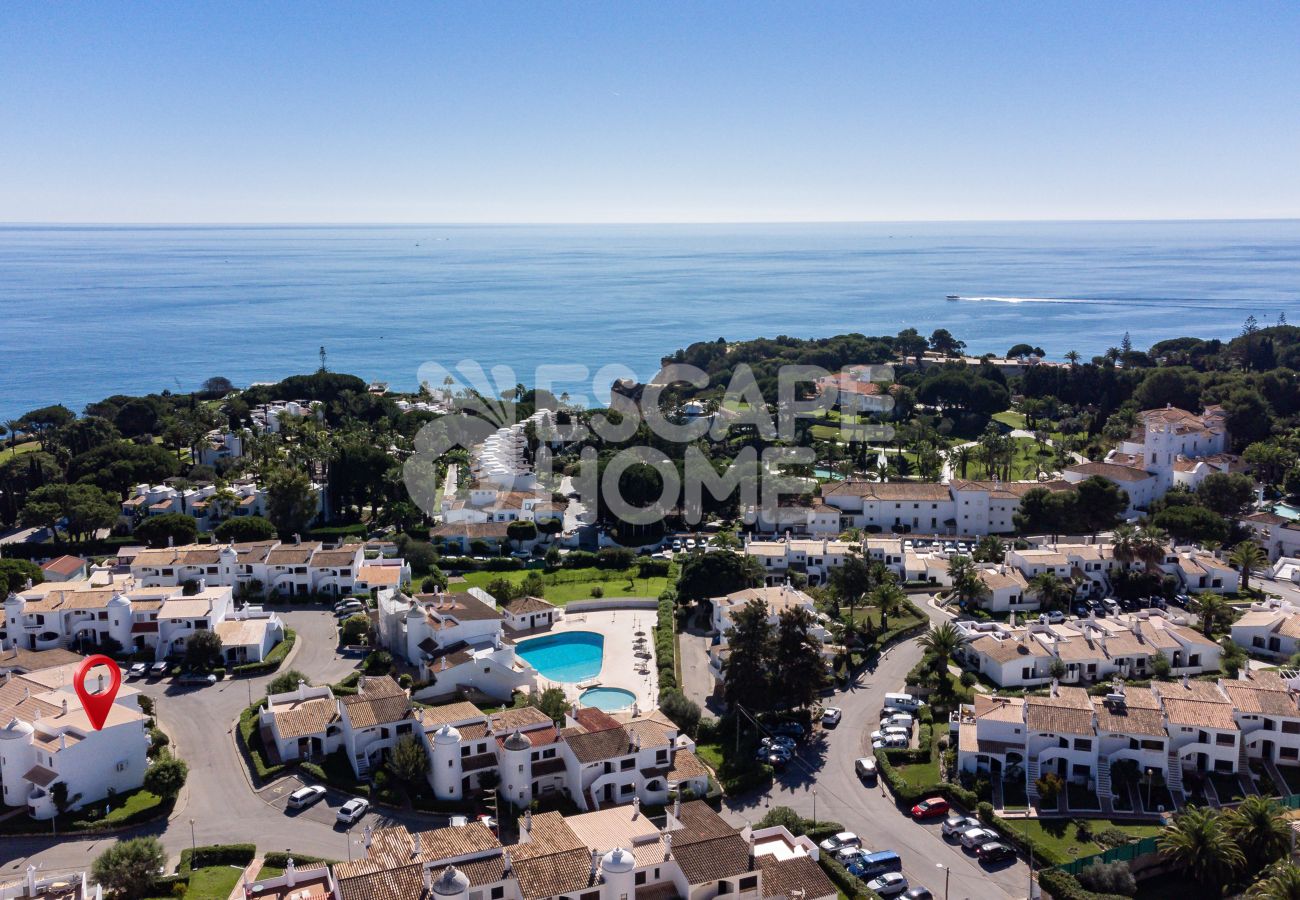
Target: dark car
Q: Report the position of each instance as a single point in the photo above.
(994, 851)
(918, 893)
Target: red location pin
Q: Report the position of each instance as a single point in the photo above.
(97, 705)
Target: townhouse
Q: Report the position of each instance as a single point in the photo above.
(208, 504)
(610, 854)
(1270, 630)
(1088, 650)
(778, 599)
(1278, 535)
(46, 738)
(456, 640)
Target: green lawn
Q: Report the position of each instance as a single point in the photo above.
(1061, 838)
(920, 774)
(212, 883)
(1010, 418)
(566, 585)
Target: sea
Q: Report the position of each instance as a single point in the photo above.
(91, 311)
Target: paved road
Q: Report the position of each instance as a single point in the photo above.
(842, 797)
(219, 797)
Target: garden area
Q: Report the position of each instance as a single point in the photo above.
(1063, 840)
(566, 585)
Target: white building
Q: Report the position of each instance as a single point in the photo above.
(1174, 447)
(1269, 630)
(46, 738)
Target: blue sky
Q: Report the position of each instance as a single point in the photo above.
(647, 112)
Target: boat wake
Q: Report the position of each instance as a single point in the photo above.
(1162, 302)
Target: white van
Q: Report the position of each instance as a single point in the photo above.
(902, 701)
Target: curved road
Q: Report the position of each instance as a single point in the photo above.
(827, 765)
(219, 797)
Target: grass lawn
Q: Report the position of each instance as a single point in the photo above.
(24, 447)
(920, 774)
(213, 882)
(1060, 836)
(566, 585)
(1010, 418)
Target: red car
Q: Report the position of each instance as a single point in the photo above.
(931, 809)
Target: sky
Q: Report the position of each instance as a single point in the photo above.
(656, 111)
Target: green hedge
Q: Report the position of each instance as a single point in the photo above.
(279, 859)
(1063, 886)
(909, 795)
(216, 855)
(273, 659)
(665, 643)
(250, 742)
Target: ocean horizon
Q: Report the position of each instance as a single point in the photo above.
(95, 310)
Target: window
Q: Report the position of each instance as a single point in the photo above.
(1288, 753)
(498, 892)
(1291, 727)
(640, 877)
(1224, 740)
(749, 883)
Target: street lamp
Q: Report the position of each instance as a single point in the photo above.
(947, 874)
(193, 843)
(814, 821)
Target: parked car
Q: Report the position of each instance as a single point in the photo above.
(870, 865)
(899, 720)
(890, 742)
(1051, 617)
(779, 740)
(1111, 606)
(887, 711)
(955, 824)
(777, 759)
(931, 808)
(831, 716)
(849, 856)
(865, 767)
(891, 731)
(918, 893)
(840, 841)
(891, 884)
(790, 729)
(305, 796)
(994, 851)
(196, 678)
(974, 838)
(137, 670)
(353, 810)
(159, 669)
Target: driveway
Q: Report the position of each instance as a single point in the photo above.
(218, 796)
(827, 765)
(697, 681)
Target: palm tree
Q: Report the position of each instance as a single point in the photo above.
(13, 425)
(887, 598)
(940, 643)
(1053, 591)
(1149, 545)
(1282, 882)
(1260, 830)
(1124, 539)
(959, 458)
(1247, 556)
(1073, 357)
(1198, 842)
(1213, 610)
(966, 583)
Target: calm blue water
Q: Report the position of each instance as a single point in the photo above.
(570, 656)
(608, 699)
(92, 311)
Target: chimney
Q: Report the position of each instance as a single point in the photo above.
(1056, 684)
(361, 683)
(677, 807)
(415, 844)
(290, 873)
(171, 541)
(1185, 684)
(528, 820)
(65, 706)
(636, 807)
(428, 881)
(369, 835)
(63, 738)
(506, 864)
(302, 689)
(668, 845)
(595, 863)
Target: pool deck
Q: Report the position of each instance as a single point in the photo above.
(619, 664)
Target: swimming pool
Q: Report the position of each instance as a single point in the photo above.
(1286, 511)
(607, 698)
(570, 656)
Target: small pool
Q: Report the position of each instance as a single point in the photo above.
(607, 698)
(570, 656)
(1286, 511)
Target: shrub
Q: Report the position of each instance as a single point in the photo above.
(158, 741)
(984, 811)
(1108, 878)
(681, 709)
(615, 558)
(130, 867)
(597, 591)
(285, 682)
(273, 659)
(378, 663)
(216, 855)
(166, 776)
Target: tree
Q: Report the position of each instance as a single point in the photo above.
(1281, 882)
(1260, 830)
(1247, 557)
(286, 682)
(1053, 592)
(1228, 494)
(173, 528)
(940, 644)
(887, 597)
(1160, 666)
(852, 580)
(290, 500)
(748, 666)
(354, 629)
(1198, 843)
(967, 586)
(203, 651)
(1099, 503)
(1109, 878)
(166, 776)
(797, 656)
(716, 574)
(552, 702)
(1192, 524)
(942, 341)
(408, 761)
(1056, 668)
(683, 711)
(59, 794)
(1213, 610)
(129, 868)
(245, 529)
(1270, 461)
(82, 509)
(521, 531)
(990, 549)
(15, 573)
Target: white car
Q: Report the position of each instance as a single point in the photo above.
(1054, 617)
(890, 742)
(899, 720)
(890, 884)
(890, 731)
(305, 796)
(954, 825)
(975, 837)
(159, 668)
(831, 715)
(840, 841)
(353, 810)
(865, 767)
(137, 670)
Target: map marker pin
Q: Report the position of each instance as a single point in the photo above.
(97, 705)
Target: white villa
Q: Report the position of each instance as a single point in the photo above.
(1269, 630)
(247, 498)
(46, 738)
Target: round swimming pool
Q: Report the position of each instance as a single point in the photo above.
(607, 698)
(570, 656)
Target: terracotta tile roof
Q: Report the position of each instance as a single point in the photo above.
(1138, 714)
(343, 557)
(20, 660)
(1201, 714)
(798, 876)
(596, 746)
(1070, 712)
(462, 607)
(39, 775)
(1006, 650)
(524, 718)
(471, 530)
(307, 718)
(1249, 698)
(1111, 471)
(450, 713)
(65, 565)
(999, 709)
(525, 605)
(557, 873)
(380, 576)
(686, 765)
(889, 490)
(406, 883)
(292, 554)
(714, 859)
(379, 701)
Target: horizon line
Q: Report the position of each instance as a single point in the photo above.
(39, 223)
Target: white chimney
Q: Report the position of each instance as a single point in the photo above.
(290, 873)
(428, 881)
(528, 820)
(415, 844)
